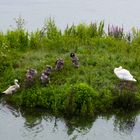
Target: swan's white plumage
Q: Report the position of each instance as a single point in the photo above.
(123, 74)
(12, 88)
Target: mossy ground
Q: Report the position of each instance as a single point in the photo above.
(91, 88)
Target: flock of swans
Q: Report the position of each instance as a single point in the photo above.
(32, 73)
(121, 73)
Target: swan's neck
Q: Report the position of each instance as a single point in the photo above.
(115, 70)
(17, 85)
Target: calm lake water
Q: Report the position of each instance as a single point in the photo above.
(117, 12)
(16, 124)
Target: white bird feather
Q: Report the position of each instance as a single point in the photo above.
(123, 74)
(12, 88)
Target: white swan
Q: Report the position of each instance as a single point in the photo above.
(123, 74)
(12, 88)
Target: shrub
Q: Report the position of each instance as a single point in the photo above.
(81, 100)
(30, 98)
(34, 41)
(17, 38)
(125, 100)
(53, 32)
(84, 31)
(104, 102)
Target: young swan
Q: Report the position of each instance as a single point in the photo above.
(59, 64)
(31, 73)
(123, 74)
(45, 75)
(12, 88)
(74, 59)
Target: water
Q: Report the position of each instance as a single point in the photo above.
(118, 12)
(17, 124)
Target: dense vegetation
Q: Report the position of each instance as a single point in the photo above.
(86, 90)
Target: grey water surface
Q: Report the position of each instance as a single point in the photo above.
(36, 124)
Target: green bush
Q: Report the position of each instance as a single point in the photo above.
(125, 100)
(104, 103)
(53, 33)
(81, 100)
(17, 39)
(30, 98)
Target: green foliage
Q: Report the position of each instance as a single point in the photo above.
(30, 98)
(35, 40)
(85, 32)
(3, 65)
(51, 99)
(81, 99)
(17, 39)
(15, 99)
(104, 102)
(135, 36)
(53, 33)
(125, 100)
(73, 91)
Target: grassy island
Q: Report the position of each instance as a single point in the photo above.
(91, 88)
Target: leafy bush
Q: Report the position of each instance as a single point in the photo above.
(125, 100)
(84, 31)
(17, 39)
(34, 41)
(81, 100)
(30, 98)
(104, 103)
(53, 33)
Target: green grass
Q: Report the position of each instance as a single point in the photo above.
(84, 91)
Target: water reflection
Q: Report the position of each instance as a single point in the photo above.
(38, 124)
(35, 117)
(80, 125)
(125, 122)
(5, 108)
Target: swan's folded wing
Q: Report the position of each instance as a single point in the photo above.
(10, 90)
(125, 73)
